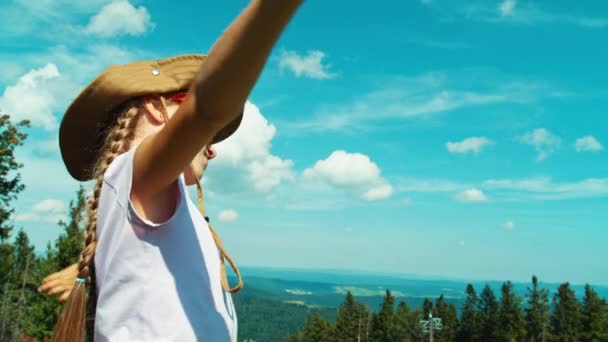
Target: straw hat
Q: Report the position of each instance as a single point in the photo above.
(81, 133)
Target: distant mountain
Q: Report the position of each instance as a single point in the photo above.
(327, 287)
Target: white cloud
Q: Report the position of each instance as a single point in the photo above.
(506, 7)
(268, 172)
(51, 204)
(32, 97)
(407, 97)
(26, 217)
(348, 229)
(461, 243)
(526, 13)
(588, 143)
(534, 188)
(379, 192)
(429, 185)
(509, 225)
(353, 172)
(310, 66)
(120, 18)
(472, 144)
(471, 195)
(407, 201)
(543, 141)
(543, 188)
(229, 215)
(244, 161)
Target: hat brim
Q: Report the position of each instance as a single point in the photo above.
(83, 130)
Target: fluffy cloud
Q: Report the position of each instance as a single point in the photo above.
(588, 143)
(507, 7)
(472, 144)
(309, 66)
(353, 172)
(120, 18)
(49, 205)
(471, 195)
(509, 225)
(228, 215)
(543, 141)
(32, 97)
(244, 160)
(48, 210)
(379, 192)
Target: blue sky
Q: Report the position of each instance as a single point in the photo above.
(465, 139)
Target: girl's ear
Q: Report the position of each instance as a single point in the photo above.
(154, 109)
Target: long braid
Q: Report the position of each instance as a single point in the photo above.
(73, 325)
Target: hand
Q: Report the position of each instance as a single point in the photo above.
(60, 283)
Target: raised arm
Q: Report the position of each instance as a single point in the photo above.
(216, 97)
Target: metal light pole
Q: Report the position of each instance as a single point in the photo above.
(431, 325)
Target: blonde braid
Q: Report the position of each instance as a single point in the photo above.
(117, 142)
(71, 324)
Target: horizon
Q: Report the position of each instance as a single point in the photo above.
(474, 132)
(419, 277)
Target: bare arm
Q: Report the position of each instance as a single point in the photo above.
(216, 96)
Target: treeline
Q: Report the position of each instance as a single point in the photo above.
(22, 308)
(483, 318)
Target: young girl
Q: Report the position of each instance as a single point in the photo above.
(143, 131)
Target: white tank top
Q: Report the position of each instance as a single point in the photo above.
(156, 281)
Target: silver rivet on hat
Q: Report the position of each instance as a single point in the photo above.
(155, 72)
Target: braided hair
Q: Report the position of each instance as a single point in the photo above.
(77, 317)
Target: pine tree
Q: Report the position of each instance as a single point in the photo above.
(350, 318)
(10, 180)
(11, 136)
(594, 317)
(70, 242)
(416, 317)
(405, 323)
(537, 312)
(316, 329)
(427, 308)
(44, 309)
(18, 290)
(449, 319)
(470, 325)
(488, 310)
(566, 318)
(511, 317)
(383, 325)
(6, 263)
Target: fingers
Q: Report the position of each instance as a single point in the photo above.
(49, 284)
(51, 277)
(59, 289)
(64, 296)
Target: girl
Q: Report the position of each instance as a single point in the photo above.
(144, 131)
